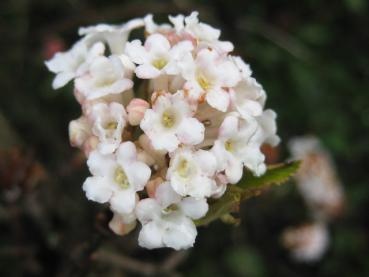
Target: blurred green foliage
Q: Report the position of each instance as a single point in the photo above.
(311, 57)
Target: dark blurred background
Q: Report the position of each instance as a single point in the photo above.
(311, 57)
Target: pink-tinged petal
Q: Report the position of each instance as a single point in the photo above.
(151, 236)
(191, 131)
(119, 227)
(147, 71)
(194, 208)
(147, 209)
(218, 99)
(123, 201)
(97, 189)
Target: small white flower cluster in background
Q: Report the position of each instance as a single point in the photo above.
(322, 191)
(166, 123)
(307, 242)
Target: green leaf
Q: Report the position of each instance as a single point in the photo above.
(275, 175)
(248, 187)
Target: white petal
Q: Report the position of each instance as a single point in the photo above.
(194, 208)
(165, 195)
(101, 165)
(61, 79)
(136, 52)
(150, 236)
(191, 131)
(126, 152)
(117, 87)
(147, 209)
(97, 189)
(206, 161)
(147, 71)
(218, 99)
(229, 127)
(167, 142)
(201, 187)
(234, 171)
(157, 43)
(138, 174)
(123, 201)
(180, 233)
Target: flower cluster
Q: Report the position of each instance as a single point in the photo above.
(322, 192)
(166, 123)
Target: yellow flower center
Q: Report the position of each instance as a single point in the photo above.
(159, 63)
(203, 82)
(170, 208)
(168, 119)
(120, 178)
(112, 125)
(183, 168)
(229, 146)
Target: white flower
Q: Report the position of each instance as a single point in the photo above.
(210, 75)
(116, 178)
(192, 172)
(267, 122)
(317, 179)
(205, 35)
(73, 63)
(115, 36)
(152, 27)
(212, 119)
(109, 121)
(151, 156)
(106, 76)
(167, 220)
(307, 242)
(248, 96)
(170, 123)
(237, 146)
(157, 57)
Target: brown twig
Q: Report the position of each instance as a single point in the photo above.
(145, 268)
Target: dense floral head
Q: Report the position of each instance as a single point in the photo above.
(167, 122)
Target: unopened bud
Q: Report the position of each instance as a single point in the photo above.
(79, 131)
(136, 111)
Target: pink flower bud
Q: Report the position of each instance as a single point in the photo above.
(79, 131)
(136, 111)
(152, 185)
(119, 227)
(90, 145)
